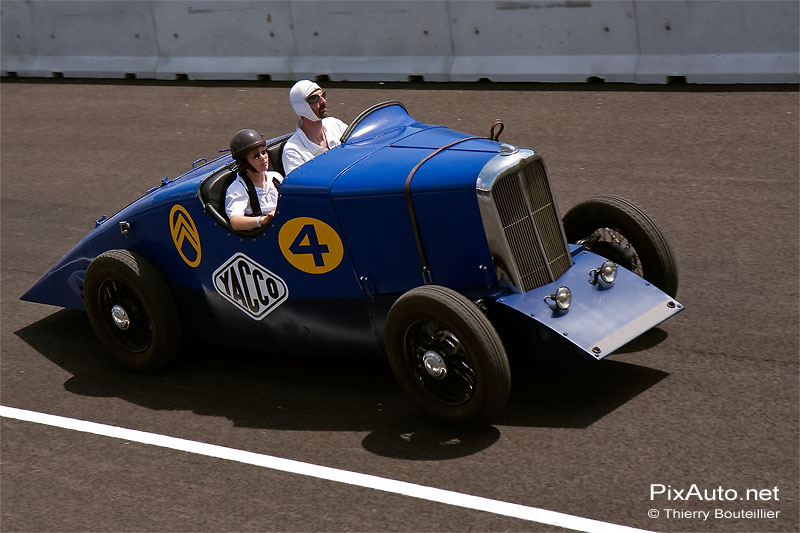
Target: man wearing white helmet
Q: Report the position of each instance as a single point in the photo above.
(316, 131)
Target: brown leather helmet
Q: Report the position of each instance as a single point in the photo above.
(245, 140)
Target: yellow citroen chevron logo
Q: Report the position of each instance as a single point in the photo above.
(183, 232)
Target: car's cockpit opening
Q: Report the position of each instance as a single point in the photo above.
(213, 189)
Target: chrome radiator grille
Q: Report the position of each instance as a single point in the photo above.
(530, 222)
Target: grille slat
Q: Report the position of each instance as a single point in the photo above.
(531, 224)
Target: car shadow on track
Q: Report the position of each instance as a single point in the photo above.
(291, 392)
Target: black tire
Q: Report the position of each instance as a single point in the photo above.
(618, 230)
(151, 339)
(431, 322)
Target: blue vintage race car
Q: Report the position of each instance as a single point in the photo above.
(443, 249)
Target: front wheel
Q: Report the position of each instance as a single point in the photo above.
(618, 230)
(131, 310)
(447, 356)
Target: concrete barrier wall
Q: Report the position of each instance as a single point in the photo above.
(640, 41)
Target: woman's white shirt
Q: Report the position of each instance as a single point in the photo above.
(237, 201)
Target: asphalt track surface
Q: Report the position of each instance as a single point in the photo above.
(708, 400)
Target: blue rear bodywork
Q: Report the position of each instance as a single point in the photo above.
(342, 248)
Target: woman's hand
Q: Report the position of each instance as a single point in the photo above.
(264, 220)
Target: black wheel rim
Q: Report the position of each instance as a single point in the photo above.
(138, 334)
(427, 337)
(613, 245)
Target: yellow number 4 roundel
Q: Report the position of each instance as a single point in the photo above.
(311, 245)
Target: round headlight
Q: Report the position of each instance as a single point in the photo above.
(608, 272)
(563, 298)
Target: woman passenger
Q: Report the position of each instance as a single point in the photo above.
(251, 199)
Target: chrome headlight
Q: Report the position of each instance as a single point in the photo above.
(605, 275)
(561, 299)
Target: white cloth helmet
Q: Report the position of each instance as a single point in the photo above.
(297, 98)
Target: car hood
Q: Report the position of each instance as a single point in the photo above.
(381, 149)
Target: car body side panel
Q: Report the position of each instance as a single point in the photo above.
(453, 239)
(304, 250)
(381, 240)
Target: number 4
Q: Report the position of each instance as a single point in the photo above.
(307, 242)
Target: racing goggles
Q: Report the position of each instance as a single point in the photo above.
(314, 98)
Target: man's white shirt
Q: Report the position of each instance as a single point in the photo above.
(298, 149)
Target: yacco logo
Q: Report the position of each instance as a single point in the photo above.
(184, 235)
(249, 286)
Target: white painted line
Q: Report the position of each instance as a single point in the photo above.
(458, 499)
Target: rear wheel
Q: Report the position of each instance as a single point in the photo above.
(447, 356)
(618, 230)
(131, 310)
